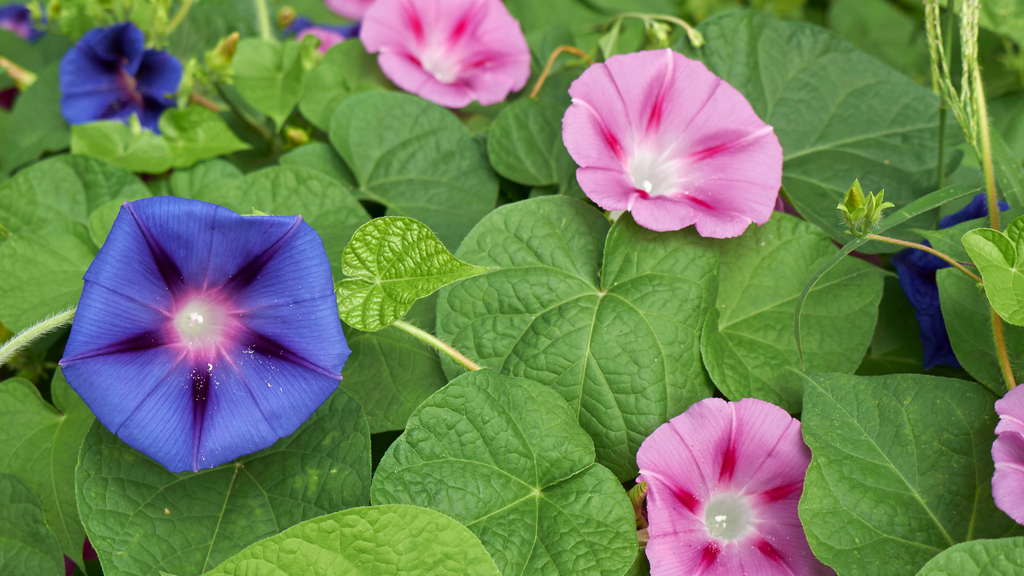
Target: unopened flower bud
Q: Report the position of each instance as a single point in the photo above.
(862, 212)
(219, 59)
(22, 77)
(296, 137)
(285, 16)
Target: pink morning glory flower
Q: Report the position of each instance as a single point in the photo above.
(723, 481)
(1008, 454)
(657, 134)
(351, 9)
(202, 335)
(450, 52)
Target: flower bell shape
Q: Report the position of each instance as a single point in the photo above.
(1008, 454)
(109, 75)
(916, 271)
(723, 481)
(202, 335)
(351, 9)
(16, 18)
(657, 134)
(450, 52)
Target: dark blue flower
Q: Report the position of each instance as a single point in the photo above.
(202, 335)
(916, 270)
(109, 75)
(17, 18)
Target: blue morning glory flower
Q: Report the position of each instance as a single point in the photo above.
(202, 335)
(916, 270)
(16, 18)
(109, 75)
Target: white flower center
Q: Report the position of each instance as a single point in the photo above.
(199, 323)
(442, 66)
(728, 517)
(654, 173)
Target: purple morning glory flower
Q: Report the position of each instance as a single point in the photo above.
(916, 270)
(16, 18)
(202, 335)
(109, 75)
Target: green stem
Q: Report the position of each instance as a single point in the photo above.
(22, 339)
(942, 144)
(1000, 342)
(696, 38)
(436, 343)
(178, 18)
(263, 16)
(929, 250)
(264, 133)
(986, 153)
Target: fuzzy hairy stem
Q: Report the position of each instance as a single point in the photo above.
(929, 250)
(436, 343)
(23, 339)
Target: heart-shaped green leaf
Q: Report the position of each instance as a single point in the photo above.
(142, 519)
(26, 545)
(998, 260)
(505, 457)
(390, 263)
(39, 444)
(1002, 557)
(417, 159)
(346, 70)
(396, 540)
(748, 344)
(610, 319)
(270, 76)
(525, 144)
(901, 470)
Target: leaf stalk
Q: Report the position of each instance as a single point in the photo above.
(438, 344)
(23, 339)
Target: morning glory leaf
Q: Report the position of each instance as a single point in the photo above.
(26, 545)
(901, 470)
(838, 113)
(610, 319)
(200, 180)
(505, 457)
(748, 344)
(525, 144)
(63, 188)
(969, 325)
(390, 263)
(1002, 557)
(346, 70)
(367, 542)
(195, 521)
(390, 373)
(39, 444)
(285, 190)
(270, 76)
(322, 158)
(41, 272)
(417, 159)
(36, 124)
(209, 21)
(998, 257)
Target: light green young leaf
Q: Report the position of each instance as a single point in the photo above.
(417, 159)
(270, 76)
(196, 134)
(27, 547)
(610, 319)
(323, 202)
(41, 272)
(998, 261)
(1002, 557)
(390, 263)
(346, 70)
(747, 343)
(194, 521)
(901, 470)
(39, 444)
(505, 457)
(839, 114)
(399, 540)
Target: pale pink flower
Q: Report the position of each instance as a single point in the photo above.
(351, 9)
(659, 135)
(723, 481)
(450, 52)
(1008, 453)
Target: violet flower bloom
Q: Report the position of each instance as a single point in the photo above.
(657, 134)
(916, 270)
(202, 335)
(450, 52)
(351, 9)
(328, 35)
(16, 18)
(1008, 454)
(109, 75)
(723, 481)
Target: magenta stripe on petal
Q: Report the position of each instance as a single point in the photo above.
(189, 314)
(1008, 454)
(678, 135)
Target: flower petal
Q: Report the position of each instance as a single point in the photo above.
(351, 9)
(1008, 453)
(409, 75)
(1011, 411)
